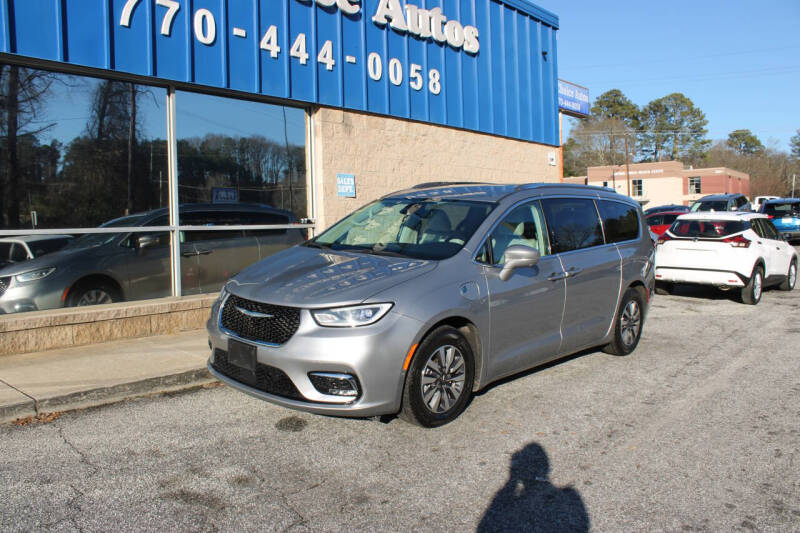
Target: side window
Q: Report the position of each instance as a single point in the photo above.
(211, 218)
(483, 255)
(572, 224)
(621, 221)
(656, 220)
(252, 219)
(770, 231)
(18, 252)
(524, 225)
(756, 225)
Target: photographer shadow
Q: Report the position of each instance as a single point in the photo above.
(529, 502)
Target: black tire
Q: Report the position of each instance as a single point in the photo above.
(791, 277)
(628, 325)
(751, 293)
(93, 293)
(664, 287)
(415, 409)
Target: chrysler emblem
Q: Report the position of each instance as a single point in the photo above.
(252, 314)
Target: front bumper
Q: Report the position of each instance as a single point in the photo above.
(717, 278)
(373, 354)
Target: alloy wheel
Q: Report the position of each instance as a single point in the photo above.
(792, 275)
(443, 378)
(631, 323)
(95, 297)
(757, 286)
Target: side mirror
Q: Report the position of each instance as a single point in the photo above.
(518, 256)
(786, 236)
(147, 241)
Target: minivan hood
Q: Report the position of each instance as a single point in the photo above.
(313, 278)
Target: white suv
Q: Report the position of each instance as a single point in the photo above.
(727, 250)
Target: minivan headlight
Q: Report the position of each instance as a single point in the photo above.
(34, 275)
(349, 317)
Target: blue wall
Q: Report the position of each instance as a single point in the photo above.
(509, 87)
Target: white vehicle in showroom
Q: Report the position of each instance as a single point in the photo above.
(729, 250)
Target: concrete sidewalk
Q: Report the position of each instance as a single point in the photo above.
(72, 378)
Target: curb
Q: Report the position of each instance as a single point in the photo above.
(108, 395)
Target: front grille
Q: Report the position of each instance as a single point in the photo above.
(266, 378)
(275, 329)
(4, 283)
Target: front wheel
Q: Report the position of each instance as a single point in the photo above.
(93, 294)
(751, 293)
(629, 323)
(439, 381)
(791, 277)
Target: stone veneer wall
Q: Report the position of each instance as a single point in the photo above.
(387, 154)
(63, 328)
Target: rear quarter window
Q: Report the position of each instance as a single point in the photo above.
(621, 221)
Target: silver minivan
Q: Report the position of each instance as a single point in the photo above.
(415, 301)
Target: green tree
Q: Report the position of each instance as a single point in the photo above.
(596, 142)
(673, 128)
(615, 105)
(744, 142)
(794, 143)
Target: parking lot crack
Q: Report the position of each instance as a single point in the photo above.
(82, 456)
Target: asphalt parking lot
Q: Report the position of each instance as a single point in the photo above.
(696, 430)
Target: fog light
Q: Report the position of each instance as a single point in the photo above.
(335, 384)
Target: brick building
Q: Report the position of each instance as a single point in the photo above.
(667, 182)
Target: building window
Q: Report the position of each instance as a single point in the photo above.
(637, 187)
(694, 185)
(605, 184)
(88, 157)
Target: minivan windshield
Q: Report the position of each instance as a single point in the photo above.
(416, 228)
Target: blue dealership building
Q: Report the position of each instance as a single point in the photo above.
(314, 107)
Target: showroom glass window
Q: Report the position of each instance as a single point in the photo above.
(240, 163)
(78, 153)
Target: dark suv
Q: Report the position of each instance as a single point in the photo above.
(109, 267)
(722, 202)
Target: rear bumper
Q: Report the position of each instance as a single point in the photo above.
(717, 278)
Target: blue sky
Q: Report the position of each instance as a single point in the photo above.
(739, 61)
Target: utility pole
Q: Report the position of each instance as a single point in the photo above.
(794, 177)
(628, 166)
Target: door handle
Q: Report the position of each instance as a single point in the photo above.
(574, 271)
(204, 252)
(189, 254)
(557, 276)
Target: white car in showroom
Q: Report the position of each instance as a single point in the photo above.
(728, 250)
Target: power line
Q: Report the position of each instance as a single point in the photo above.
(690, 59)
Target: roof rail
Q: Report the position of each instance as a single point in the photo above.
(526, 186)
(446, 183)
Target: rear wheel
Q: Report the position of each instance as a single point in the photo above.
(791, 277)
(629, 323)
(439, 381)
(751, 293)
